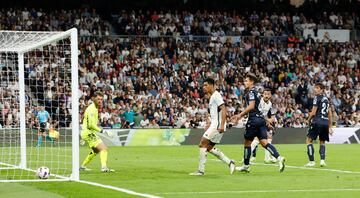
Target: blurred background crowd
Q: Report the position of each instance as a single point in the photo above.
(151, 65)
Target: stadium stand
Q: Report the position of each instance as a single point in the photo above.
(152, 74)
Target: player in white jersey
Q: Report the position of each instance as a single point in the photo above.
(265, 107)
(213, 130)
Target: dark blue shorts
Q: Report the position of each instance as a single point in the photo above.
(42, 127)
(256, 127)
(318, 130)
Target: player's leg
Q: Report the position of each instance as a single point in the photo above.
(92, 140)
(40, 140)
(204, 145)
(40, 133)
(247, 154)
(254, 147)
(268, 158)
(218, 153)
(312, 135)
(263, 136)
(323, 136)
(267, 155)
(247, 150)
(249, 135)
(103, 150)
(88, 159)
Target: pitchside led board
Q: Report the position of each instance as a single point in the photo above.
(176, 137)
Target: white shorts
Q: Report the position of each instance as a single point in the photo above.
(213, 135)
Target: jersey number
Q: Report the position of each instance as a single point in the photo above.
(324, 109)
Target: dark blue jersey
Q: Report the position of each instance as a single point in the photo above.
(253, 95)
(322, 112)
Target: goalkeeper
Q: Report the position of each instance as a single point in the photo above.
(88, 134)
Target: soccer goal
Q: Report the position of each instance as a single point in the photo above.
(39, 105)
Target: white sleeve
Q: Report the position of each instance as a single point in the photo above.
(219, 100)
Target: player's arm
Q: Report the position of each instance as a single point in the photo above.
(237, 117)
(330, 119)
(270, 118)
(312, 113)
(250, 107)
(208, 123)
(313, 110)
(91, 122)
(223, 117)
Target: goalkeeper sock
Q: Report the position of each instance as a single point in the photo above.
(88, 158)
(39, 140)
(220, 155)
(103, 158)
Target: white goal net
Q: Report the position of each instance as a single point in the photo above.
(38, 105)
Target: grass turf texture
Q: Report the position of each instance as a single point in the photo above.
(163, 171)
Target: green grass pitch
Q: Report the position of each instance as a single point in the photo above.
(163, 172)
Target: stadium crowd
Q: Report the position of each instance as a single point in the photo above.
(155, 81)
(225, 23)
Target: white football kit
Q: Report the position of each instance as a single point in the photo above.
(212, 132)
(266, 109)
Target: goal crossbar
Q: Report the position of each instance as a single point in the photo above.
(11, 42)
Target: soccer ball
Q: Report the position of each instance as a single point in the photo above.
(43, 172)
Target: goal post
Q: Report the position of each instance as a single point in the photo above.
(38, 74)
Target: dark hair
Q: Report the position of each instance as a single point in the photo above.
(252, 77)
(210, 81)
(320, 85)
(97, 93)
(267, 89)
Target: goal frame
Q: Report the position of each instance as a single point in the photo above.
(73, 34)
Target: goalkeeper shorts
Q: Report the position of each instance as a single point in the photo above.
(91, 139)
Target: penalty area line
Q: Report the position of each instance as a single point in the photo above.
(118, 189)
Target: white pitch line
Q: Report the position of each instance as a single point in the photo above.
(301, 167)
(118, 189)
(311, 168)
(80, 181)
(263, 191)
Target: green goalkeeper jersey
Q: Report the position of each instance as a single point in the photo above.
(90, 121)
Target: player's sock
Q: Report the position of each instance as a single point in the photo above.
(202, 159)
(254, 147)
(272, 150)
(322, 151)
(267, 153)
(88, 158)
(310, 152)
(247, 155)
(267, 156)
(103, 158)
(220, 155)
(40, 140)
